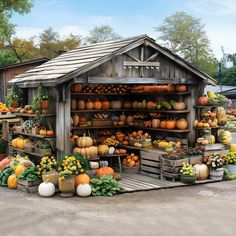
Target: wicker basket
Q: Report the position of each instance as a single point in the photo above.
(130, 170)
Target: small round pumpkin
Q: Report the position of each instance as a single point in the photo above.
(127, 105)
(163, 124)
(105, 105)
(85, 141)
(77, 88)
(12, 181)
(105, 170)
(156, 123)
(179, 105)
(73, 104)
(81, 105)
(170, 124)
(43, 132)
(103, 149)
(84, 190)
(182, 124)
(181, 88)
(50, 133)
(21, 143)
(203, 101)
(97, 105)
(82, 179)
(89, 105)
(46, 189)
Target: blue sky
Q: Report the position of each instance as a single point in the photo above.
(129, 17)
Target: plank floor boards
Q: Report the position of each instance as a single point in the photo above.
(138, 182)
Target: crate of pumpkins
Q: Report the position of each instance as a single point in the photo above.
(131, 164)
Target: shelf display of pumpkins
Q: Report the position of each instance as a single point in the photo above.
(19, 142)
(131, 161)
(167, 146)
(158, 88)
(140, 139)
(85, 147)
(106, 89)
(207, 138)
(208, 119)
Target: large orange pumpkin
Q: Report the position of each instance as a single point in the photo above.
(82, 179)
(170, 124)
(105, 171)
(203, 101)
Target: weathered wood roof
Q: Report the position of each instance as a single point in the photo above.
(84, 58)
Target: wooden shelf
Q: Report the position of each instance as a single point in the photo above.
(33, 115)
(130, 93)
(165, 130)
(30, 153)
(210, 106)
(216, 127)
(100, 127)
(114, 155)
(134, 110)
(33, 135)
(134, 148)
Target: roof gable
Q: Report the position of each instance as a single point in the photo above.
(84, 58)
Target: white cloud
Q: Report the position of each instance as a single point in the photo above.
(27, 32)
(213, 7)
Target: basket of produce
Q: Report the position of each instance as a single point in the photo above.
(131, 164)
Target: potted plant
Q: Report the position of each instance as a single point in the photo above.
(70, 166)
(15, 98)
(187, 174)
(43, 147)
(40, 101)
(48, 169)
(231, 162)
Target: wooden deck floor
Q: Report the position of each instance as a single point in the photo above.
(138, 182)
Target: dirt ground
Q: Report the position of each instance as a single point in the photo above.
(208, 209)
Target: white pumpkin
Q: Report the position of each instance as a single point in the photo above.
(46, 189)
(111, 150)
(84, 190)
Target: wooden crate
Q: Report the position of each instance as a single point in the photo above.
(28, 187)
(150, 162)
(170, 168)
(195, 159)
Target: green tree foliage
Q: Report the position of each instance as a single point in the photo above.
(7, 57)
(101, 34)
(185, 35)
(7, 7)
(229, 76)
(51, 45)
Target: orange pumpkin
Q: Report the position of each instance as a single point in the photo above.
(106, 104)
(89, 105)
(81, 105)
(151, 105)
(77, 88)
(182, 124)
(203, 101)
(50, 132)
(170, 124)
(163, 124)
(73, 104)
(140, 132)
(170, 88)
(82, 179)
(200, 124)
(146, 89)
(105, 171)
(97, 105)
(76, 150)
(156, 123)
(43, 132)
(181, 88)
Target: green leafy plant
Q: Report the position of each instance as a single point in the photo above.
(43, 144)
(15, 95)
(187, 169)
(30, 174)
(105, 185)
(41, 95)
(5, 173)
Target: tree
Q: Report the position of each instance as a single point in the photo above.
(185, 35)
(51, 45)
(23, 49)
(229, 76)
(101, 34)
(7, 7)
(7, 57)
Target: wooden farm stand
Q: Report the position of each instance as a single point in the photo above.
(131, 61)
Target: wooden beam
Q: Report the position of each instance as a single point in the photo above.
(141, 63)
(152, 57)
(134, 58)
(138, 80)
